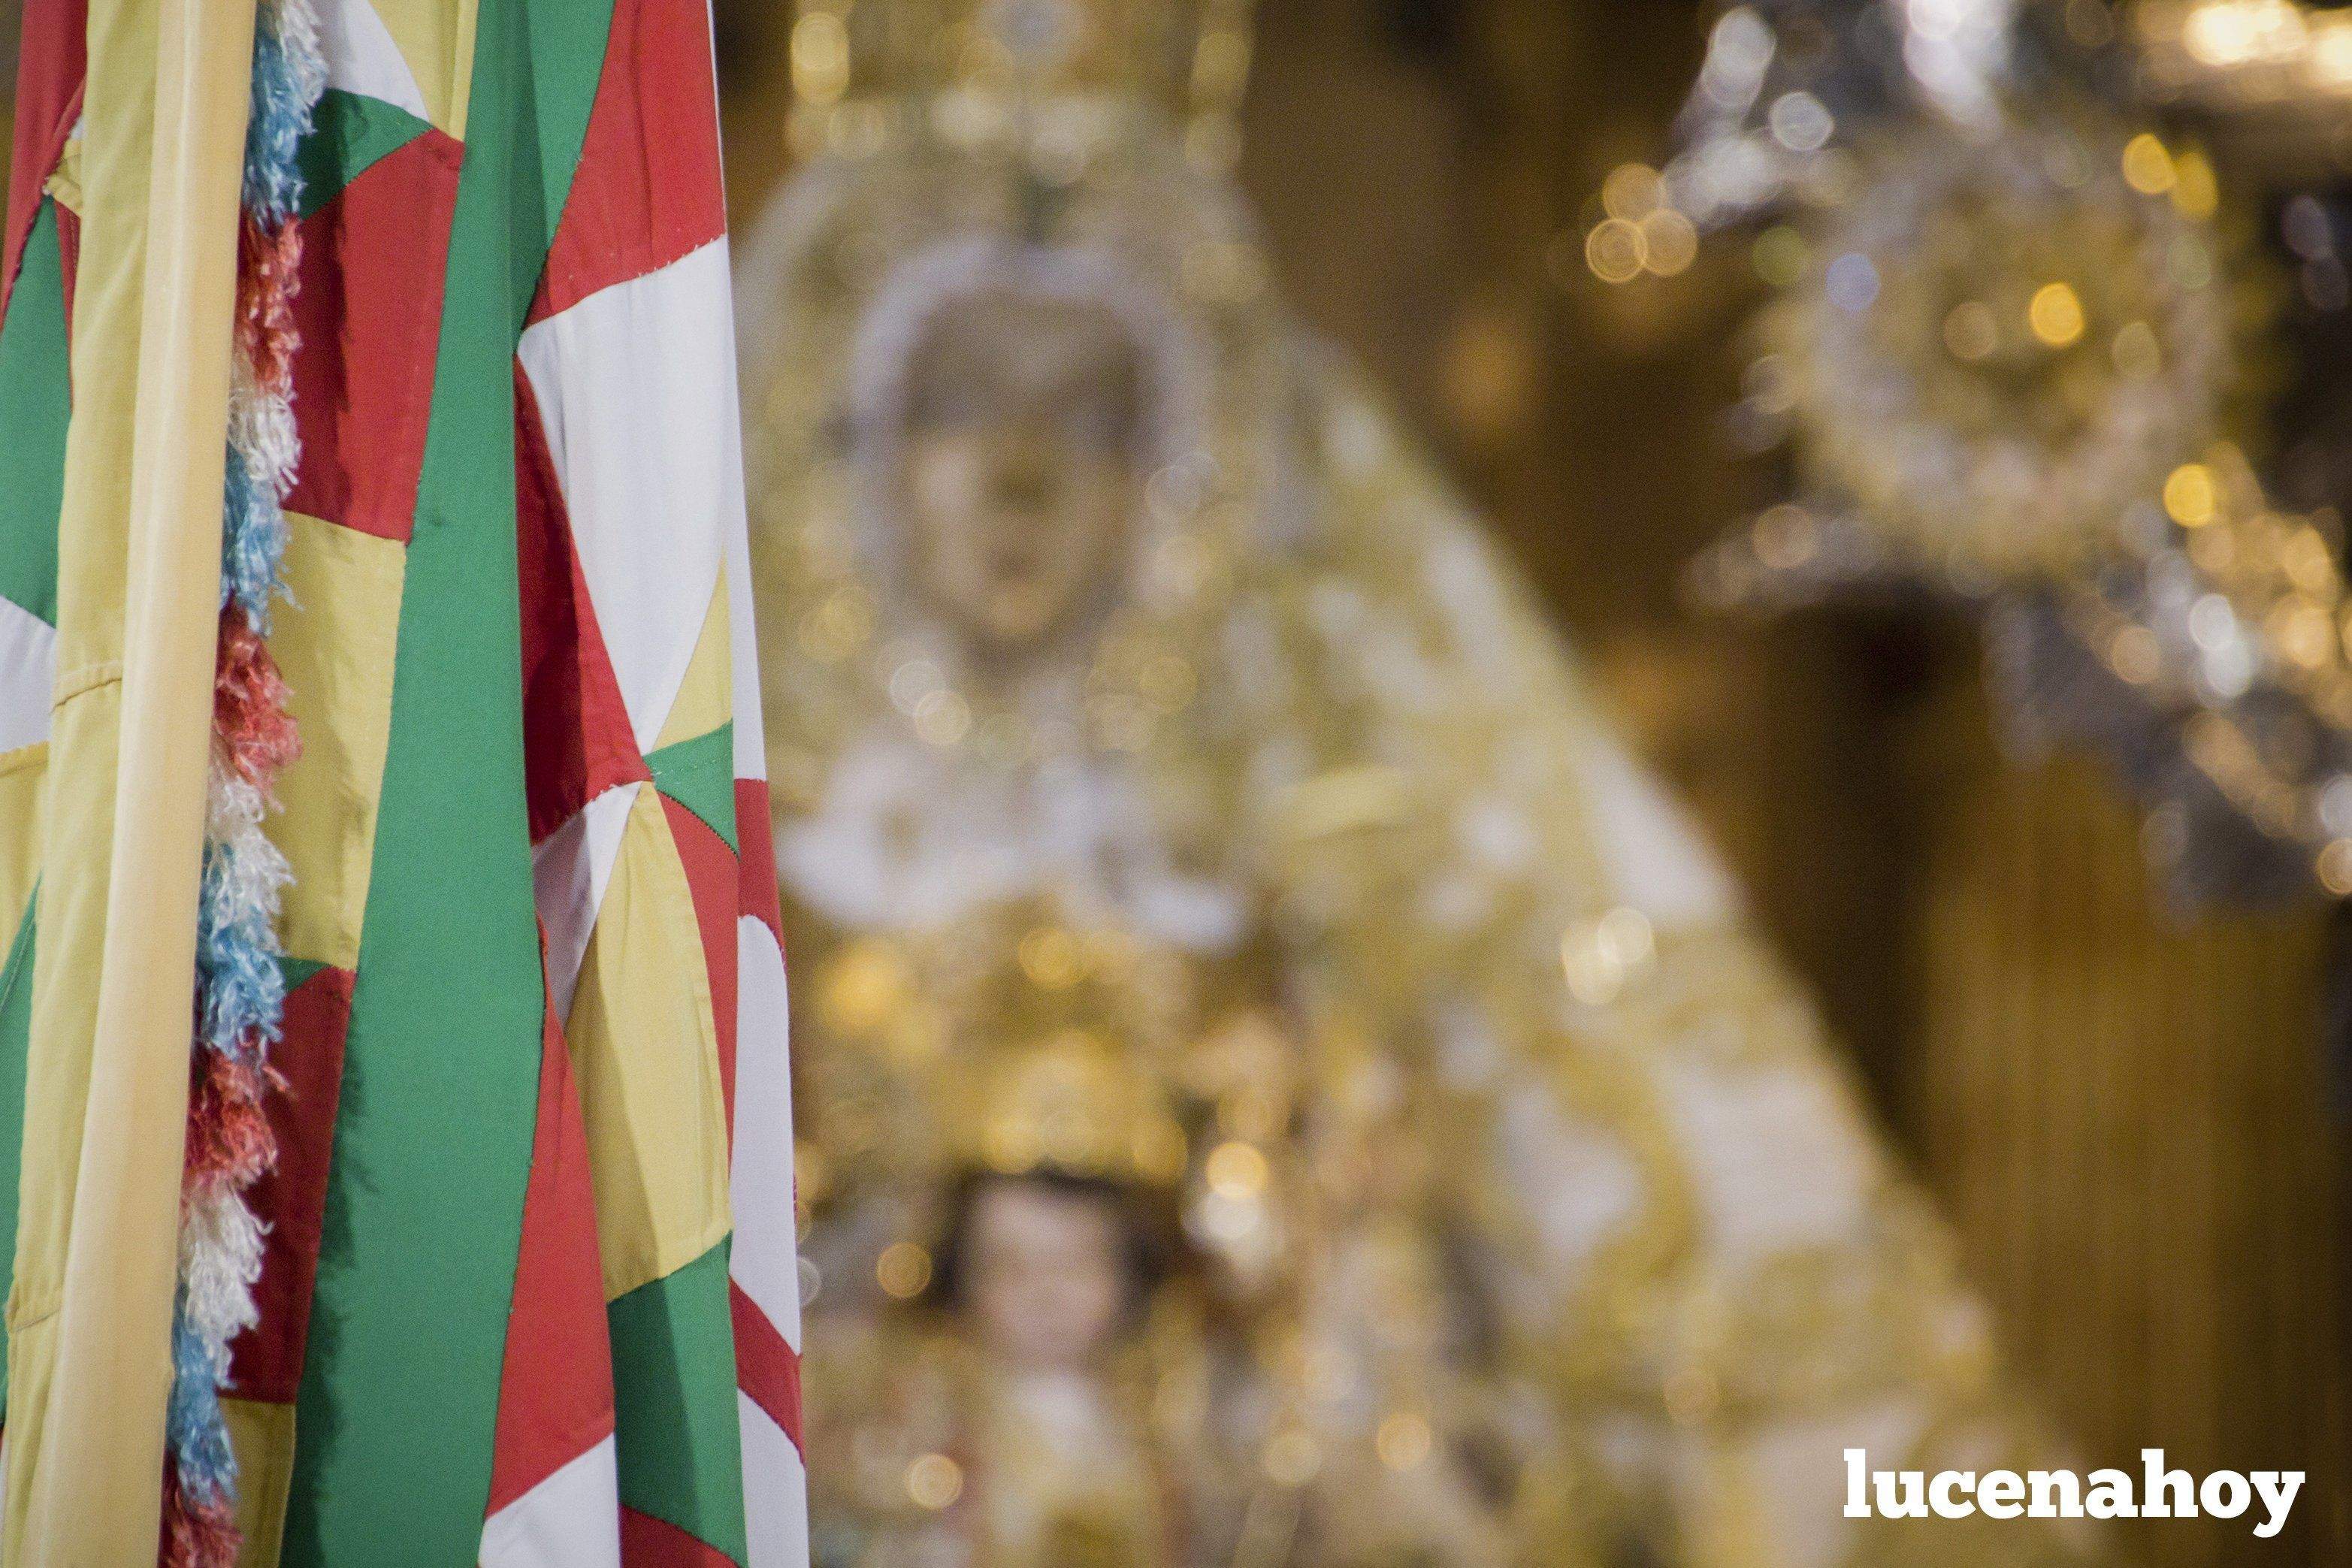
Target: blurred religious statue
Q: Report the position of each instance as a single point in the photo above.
(1278, 1086)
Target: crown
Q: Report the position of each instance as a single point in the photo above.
(1073, 1101)
(1188, 59)
(1002, 1051)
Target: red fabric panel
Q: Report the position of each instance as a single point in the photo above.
(648, 189)
(69, 262)
(555, 1392)
(710, 878)
(265, 1360)
(650, 1542)
(762, 900)
(577, 739)
(363, 376)
(51, 69)
(766, 1367)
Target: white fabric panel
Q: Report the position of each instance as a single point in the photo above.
(362, 57)
(766, 1259)
(637, 387)
(1652, 858)
(28, 675)
(569, 870)
(775, 1492)
(751, 745)
(750, 726)
(571, 1520)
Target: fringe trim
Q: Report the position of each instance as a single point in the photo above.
(240, 987)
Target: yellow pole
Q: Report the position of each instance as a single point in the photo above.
(138, 559)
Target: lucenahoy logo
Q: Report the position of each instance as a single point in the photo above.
(2156, 1493)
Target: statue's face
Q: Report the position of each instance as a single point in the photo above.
(1022, 461)
(1046, 1282)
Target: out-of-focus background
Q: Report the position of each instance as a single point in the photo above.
(2125, 1105)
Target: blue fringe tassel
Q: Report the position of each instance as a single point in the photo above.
(253, 544)
(280, 118)
(241, 990)
(197, 1430)
(238, 975)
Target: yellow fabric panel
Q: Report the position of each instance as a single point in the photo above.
(263, 1435)
(335, 643)
(65, 180)
(78, 843)
(706, 698)
(436, 39)
(138, 566)
(32, 1355)
(78, 847)
(21, 773)
(646, 1051)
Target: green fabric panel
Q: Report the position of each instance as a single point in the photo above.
(399, 1401)
(292, 972)
(349, 134)
(567, 52)
(35, 399)
(699, 775)
(677, 1433)
(16, 1036)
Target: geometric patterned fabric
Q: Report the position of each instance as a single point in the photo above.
(530, 1294)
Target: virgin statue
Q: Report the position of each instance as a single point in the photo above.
(1279, 1086)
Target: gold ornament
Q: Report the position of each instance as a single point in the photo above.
(976, 67)
(2001, 348)
(2271, 78)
